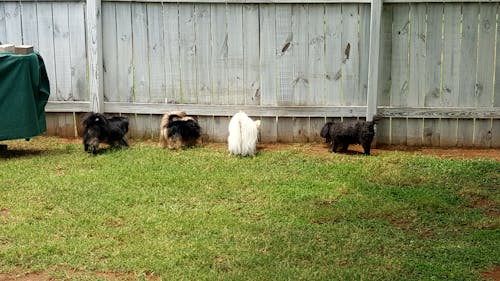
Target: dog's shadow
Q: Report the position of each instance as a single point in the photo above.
(27, 153)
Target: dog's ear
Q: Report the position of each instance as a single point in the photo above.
(257, 124)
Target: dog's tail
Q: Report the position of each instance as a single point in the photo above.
(234, 139)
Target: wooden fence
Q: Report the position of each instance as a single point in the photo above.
(431, 69)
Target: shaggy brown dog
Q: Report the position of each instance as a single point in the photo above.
(179, 131)
(345, 133)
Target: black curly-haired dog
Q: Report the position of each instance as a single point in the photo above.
(179, 131)
(346, 133)
(101, 129)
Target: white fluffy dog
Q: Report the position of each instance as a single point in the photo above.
(243, 133)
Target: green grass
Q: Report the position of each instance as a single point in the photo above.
(287, 214)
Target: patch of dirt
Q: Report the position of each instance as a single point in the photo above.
(4, 213)
(70, 274)
(457, 153)
(493, 274)
(41, 276)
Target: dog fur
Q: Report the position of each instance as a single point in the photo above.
(97, 128)
(179, 130)
(345, 133)
(243, 135)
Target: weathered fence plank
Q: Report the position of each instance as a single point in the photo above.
(203, 53)
(316, 48)
(187, 53)
(268, 54)
(156, 53)
(219, 55)
(350, 72)
(46, 42)
(285, 49)
(78, 59)
(235, 54)
(251, 54)
(333, 55)
(399, 70)
(172, 53)
(109, 53)
(29, 24)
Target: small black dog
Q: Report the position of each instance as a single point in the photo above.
(99, 128)
(179, 131)
(345, 133)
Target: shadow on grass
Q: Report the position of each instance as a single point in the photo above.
(20, 153)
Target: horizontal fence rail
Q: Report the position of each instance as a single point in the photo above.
(435, 80)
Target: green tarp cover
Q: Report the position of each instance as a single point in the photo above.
(24, 91)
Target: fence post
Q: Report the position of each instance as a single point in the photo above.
(94, 50)
(373, 59)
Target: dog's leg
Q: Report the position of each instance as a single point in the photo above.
(335, 145)
(344, 147)
(123, 141)
(366, 147)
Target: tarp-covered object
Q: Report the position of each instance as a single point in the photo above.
(24, 91)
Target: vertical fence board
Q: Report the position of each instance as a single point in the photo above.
(203, 53)
(46, 42)
(251, 54)
(432, 74)
(350, 47)
(29, 24)
(301, 129)
(235, 53)
(13, 23)
(433, 44)
(207, 127)
(172, 53)
(399, 69)
(187, 53)
(269, 129)
(451, 55)
(451, 75)
(468, 66)
(485, 73)
(284, 47)
(316, 73)
(333, 54)
(417, 65)
(300, 45)
(155, 52)
(384, 90)
(78, 56)
(62, 51)
(495, 133)
(315, 126)
(219, 54)
(221, 123)
(3, 32)
(465, 133)
(124, 44)
(285, 129)
(140, 53)
(110, 58)
(364, 48)
(485, 52)
(468, 54)
(268, 54)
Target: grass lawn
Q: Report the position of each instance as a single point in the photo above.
(286, 214)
